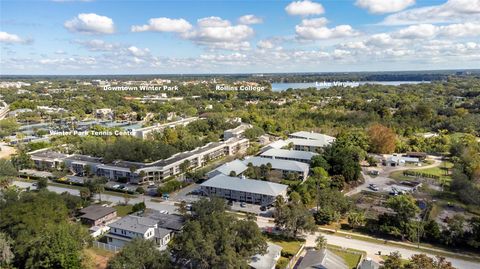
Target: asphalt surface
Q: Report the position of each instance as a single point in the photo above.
(370, 247)
(163, 205)
(335, 239)
(383, 181)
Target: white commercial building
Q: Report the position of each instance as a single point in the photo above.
(243, 190)
(292, 155)
(285, 167)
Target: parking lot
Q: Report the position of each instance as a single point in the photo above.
(251, 208)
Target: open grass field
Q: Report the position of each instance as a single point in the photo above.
(123, 210)
(351, 259)
(437, 171)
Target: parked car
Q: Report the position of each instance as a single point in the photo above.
(373, 187)
(242, 204)
(263, 208)
(394, 192)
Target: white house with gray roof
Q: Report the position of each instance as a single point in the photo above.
(285, 167)
(292, 155)
(243, 190)
(130, 227)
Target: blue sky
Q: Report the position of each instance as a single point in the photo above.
(137, 37)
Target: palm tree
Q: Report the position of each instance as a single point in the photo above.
(356, 219)
(320, 242)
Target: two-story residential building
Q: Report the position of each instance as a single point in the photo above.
(130, 227)
(97, 215)
(292, 155)
(243, 190)
(286, 167)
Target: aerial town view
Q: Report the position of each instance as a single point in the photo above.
(287, 134)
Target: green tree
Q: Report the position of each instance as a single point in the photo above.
(42, 183)
(356, 219)
(7, 169)
(393, 261)
(211, 238)
(140, 253)
(59, 246)
(294, 217)
(22, 160)
(6, 254)
(404, 207)
(139, 207)
(422, 261)
(321, 242)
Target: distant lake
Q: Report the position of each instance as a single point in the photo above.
(325, 85)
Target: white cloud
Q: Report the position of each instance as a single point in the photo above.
(90, 23)
(460, 30)
(97, 45)
(12, 38)
(213, 22)
(426, 31)
(381, 40)
(214, 30)
(317, 22)
(243, 45)
(384, 6)
(418, 31)
(211, 32)
(71, 62)
(163, 25)
(304, 8)
(250, 19)
(315, 29)
(137, 52)
(265, 44)
(451, 11)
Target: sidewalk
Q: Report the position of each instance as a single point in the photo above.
(409, 245)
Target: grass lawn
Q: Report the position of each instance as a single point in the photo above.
(123, 210)
(282, 263)
(398, 175)
(351, 259)
(288, 245)
(437, 171)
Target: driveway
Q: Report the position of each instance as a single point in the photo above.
(383, 181)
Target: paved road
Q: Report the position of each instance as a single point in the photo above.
(164, 205)
(371, 248)
(339, 240)
(382, 180)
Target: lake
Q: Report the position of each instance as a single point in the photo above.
(325, 85)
